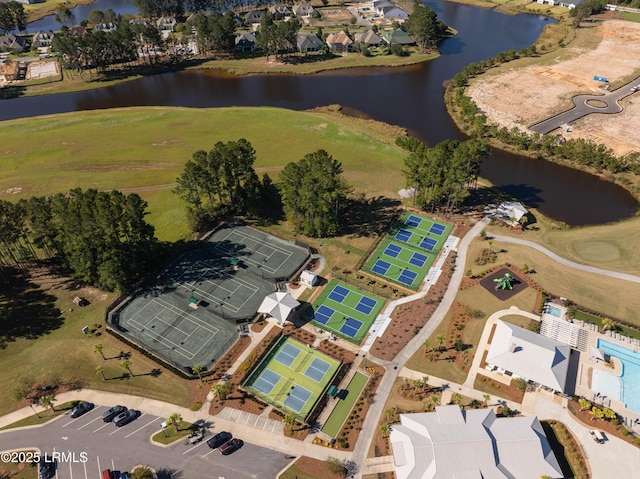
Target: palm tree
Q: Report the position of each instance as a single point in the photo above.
(584, 404)
(425, 382)
(416, 384)
(198, 370)
(389, 414)
(426, 345)
(126, 364)
(607, 324)
(596, 413)
(175, 419)
(440, 340)
(98, 349)
(47, 401)
(385, 429)
(100, 371)
(609, 414)
(490, 243)
(486, 398)
(456, 398)
(221, 390)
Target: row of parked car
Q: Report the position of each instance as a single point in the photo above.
(225, 443)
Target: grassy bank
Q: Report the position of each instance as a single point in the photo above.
(56, 153)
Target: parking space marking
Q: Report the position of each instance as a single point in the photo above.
(117, 429)
(194, 447)
(70, 470)
(72, 421)
(99, 468)
(84, 464)
(140, 428)
(93, 420)
(104, 425)
(210, 452)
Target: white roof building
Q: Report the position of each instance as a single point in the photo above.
(509, 211)
(529, 355)
(474, 444)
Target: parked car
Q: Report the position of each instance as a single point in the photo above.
(230, 446)
(219, 439)
(81, 409)
(125, 418)
(46, 467)
(125, 475)
(113, 412)
(597, 436)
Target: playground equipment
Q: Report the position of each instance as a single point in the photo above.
(506, 282)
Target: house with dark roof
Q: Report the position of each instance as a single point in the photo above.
(339, 42)
(11, 43)
(309, 42)
(245, 42)
(280, 12)
(369, 37)
(253, 16)
(77, 31)
(453, 443)
(398, 37)
(106, 27)
(305, 10)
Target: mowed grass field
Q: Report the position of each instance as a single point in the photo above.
(609, 296)
(144, 150)
(608, 246)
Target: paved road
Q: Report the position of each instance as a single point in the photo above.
(582, 108)
(106, 446)
(566, 262)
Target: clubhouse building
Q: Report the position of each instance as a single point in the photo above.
(451, 443)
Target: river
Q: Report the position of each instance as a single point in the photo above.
(411, 97)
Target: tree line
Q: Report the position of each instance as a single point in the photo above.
(443, 174)
(311, 192)
(102, 237)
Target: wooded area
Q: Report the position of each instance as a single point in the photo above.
(101, 236)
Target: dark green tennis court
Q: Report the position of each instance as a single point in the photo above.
(409, 250)
(292, 377)
(189, 318)
(345, 311)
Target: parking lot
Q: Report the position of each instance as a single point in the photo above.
(86, 445)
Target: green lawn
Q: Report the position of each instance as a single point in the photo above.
(406, 254)
(343, 407)
(60, 152)
(171, 435)
(42, 417)
(336, 312)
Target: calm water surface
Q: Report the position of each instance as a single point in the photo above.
(411, 97)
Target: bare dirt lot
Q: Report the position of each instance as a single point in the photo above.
(524, 92)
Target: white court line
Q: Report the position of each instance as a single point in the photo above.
(261, 244)
(140, 311)
(187, 316)
(150, 422)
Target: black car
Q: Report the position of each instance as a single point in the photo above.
(46, 467)
(230, 446)
(125, 417)
(113, 412)
(81, 409)
(219, 439)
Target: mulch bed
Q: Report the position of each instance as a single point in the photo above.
(313, 467)
(607, 426)
(510, 391)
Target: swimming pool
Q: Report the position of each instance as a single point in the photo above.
(553, 311)
(630, 379)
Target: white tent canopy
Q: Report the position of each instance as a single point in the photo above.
(278, 305)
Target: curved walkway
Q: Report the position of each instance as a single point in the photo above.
(563, 261)
(582, 108)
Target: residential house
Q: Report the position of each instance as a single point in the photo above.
(369, 37)
(280, 12)
(166, 24)
(522, 353)
(11, 43)
(43, 39)
(339, 42)
(452, 443)
(309, 42)
(253, 16)
(77, 31)
(106, 27)
(398, 37)
(393, 12)
(305, 10)
(245, 42)
(138, 21)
